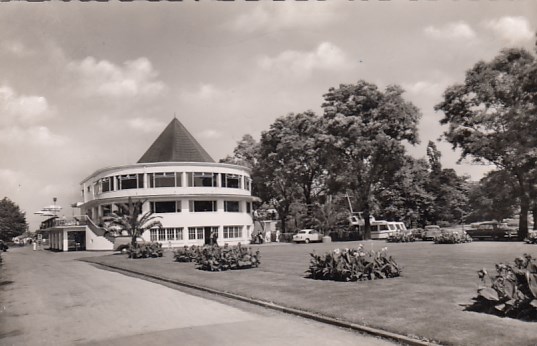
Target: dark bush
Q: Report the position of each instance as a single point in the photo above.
(400, 237)
(345, 235)
(186, 254)
(532, 238)
(145, 250)
(452, 238)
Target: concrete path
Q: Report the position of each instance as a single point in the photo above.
(51, 299)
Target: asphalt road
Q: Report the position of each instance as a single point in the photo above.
(50, 298)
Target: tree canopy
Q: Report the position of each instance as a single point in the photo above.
(129, 218)
(12, 220)
(366, 128)
(492, 118)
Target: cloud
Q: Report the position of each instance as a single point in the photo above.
(16, 47)
(146, 124)
(284, 17)
(204, 92)
(8, 177)
(22, 109)
(451, 31)
(210, 133)
(134, 78)
(34, 135)
(427, 88)
(326, 56)
(511, 29)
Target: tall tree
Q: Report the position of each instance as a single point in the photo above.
(404, 196)
(292, 150)
(131, 219)
(366, 128)
(245, 153)
(494, 197)
(492, 117)
(12, 220)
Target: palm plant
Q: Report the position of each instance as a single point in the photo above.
(130, 219)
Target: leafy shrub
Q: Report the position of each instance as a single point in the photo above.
(532, 238)
(512, 292)
(145, 250)
(216, 258)
(186, 254)
(399, 237)
(353, 265)
(452, 238)
(286, 237)
(344, 235)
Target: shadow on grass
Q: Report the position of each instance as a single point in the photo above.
(485, 307)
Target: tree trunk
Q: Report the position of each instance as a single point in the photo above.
(367, 223)
(534, 214)
(524, 209)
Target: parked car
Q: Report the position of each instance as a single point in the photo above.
(493, 230)
(307, 235)
(430, 232)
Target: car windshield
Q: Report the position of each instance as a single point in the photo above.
(301, 232)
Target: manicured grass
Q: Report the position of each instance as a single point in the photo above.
(427, 301)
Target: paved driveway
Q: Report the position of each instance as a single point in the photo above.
(50, 298)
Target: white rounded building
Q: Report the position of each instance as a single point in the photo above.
(178, 181)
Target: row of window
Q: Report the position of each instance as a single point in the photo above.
(194, 233)
(171, 179)
(160, 207)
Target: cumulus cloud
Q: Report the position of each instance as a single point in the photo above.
(210, 133)
(326, 56)
(134, 78)
(34, 135)
(284, 17)
(203, 92)
(22, 109)
(145, 124)
(451, 31)
(8, 177)
(16, 47)
(511, 29)
(428, 88)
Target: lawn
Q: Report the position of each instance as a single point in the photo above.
(428, 300)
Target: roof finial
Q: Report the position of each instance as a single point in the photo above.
(174, 115)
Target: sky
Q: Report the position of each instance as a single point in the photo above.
(85, 86)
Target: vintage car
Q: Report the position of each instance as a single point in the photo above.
(430, 232)
(307, 235)
(492, 230)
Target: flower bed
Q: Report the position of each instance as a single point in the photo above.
(353, 265)
(512, 291)
(452, 238)
(186, 254)
(400, 237)
(216, 258)
(145, 250)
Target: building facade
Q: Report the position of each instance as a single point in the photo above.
(195, 197)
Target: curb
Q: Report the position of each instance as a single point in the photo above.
(270, 305)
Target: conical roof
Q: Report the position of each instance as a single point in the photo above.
(175, 144)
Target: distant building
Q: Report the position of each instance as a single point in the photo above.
(180, 182)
